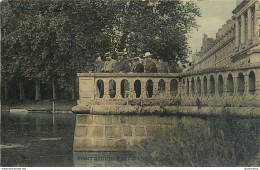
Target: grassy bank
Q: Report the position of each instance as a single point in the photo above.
(44, 105)
(221, 141)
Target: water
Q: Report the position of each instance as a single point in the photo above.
(31, 139)
(38, 140)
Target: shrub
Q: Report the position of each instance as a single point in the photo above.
(217, 141)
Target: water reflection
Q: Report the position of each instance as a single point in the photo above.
(36, 139)
(32, 139)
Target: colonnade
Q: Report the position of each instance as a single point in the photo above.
(247, 25)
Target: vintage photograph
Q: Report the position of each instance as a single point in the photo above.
(120, 83)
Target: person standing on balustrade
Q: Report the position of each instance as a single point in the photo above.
(123, 67)
(162, 66)
(138, 66)
(150, 66)
(123, 64)
(110, 64)
(99, 64)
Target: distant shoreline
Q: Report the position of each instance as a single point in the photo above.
(29, 106)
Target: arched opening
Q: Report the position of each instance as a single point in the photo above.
(230, 85)
(251, 83)
(183, 86)
(198, 85)
(100, 88)
(212, 85)
(188, 87)
(137, 86)
(149, 88)
(220, 85)
(241, 84)
(112, 88)
(174, 87)
(192, 86)
(124, 88)
(161, 86)
(205, 86)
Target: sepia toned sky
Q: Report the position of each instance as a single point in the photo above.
(215, 13)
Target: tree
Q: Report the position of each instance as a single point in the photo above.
(52, 41)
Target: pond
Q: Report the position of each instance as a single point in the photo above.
(39, 139)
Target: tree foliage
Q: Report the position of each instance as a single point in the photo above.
(45, 40)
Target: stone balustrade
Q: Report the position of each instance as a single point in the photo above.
(128, 88)
(227, 86)
(237, 86)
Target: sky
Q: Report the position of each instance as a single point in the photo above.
(215, 13)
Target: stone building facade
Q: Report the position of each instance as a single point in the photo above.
(236, 43)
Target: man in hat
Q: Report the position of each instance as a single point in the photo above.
(123, 64)
(138, 67)
(150, 66)
(110, 64)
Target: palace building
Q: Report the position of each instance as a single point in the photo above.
(236, 43)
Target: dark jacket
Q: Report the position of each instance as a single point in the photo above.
(151, 67)
(99, 65)
(123, 66)
(139, 68)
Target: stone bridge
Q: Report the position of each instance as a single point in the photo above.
(117, 109)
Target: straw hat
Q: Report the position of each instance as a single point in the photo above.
(120, 54)
(107, 53)
(147, 54)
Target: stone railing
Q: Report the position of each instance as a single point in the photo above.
(128, 88)
(228, 86)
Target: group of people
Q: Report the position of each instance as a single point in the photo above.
(120, 64)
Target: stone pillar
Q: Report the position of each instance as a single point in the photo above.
(131, 89)
(118, 89)
(143, 88)
(256, 20)
(242, 34)
(106, 88)
(249, 26)
(167, 88)
(246, 78)
(155, 88)
(237, 34)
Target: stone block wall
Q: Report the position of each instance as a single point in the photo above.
(117, 132)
